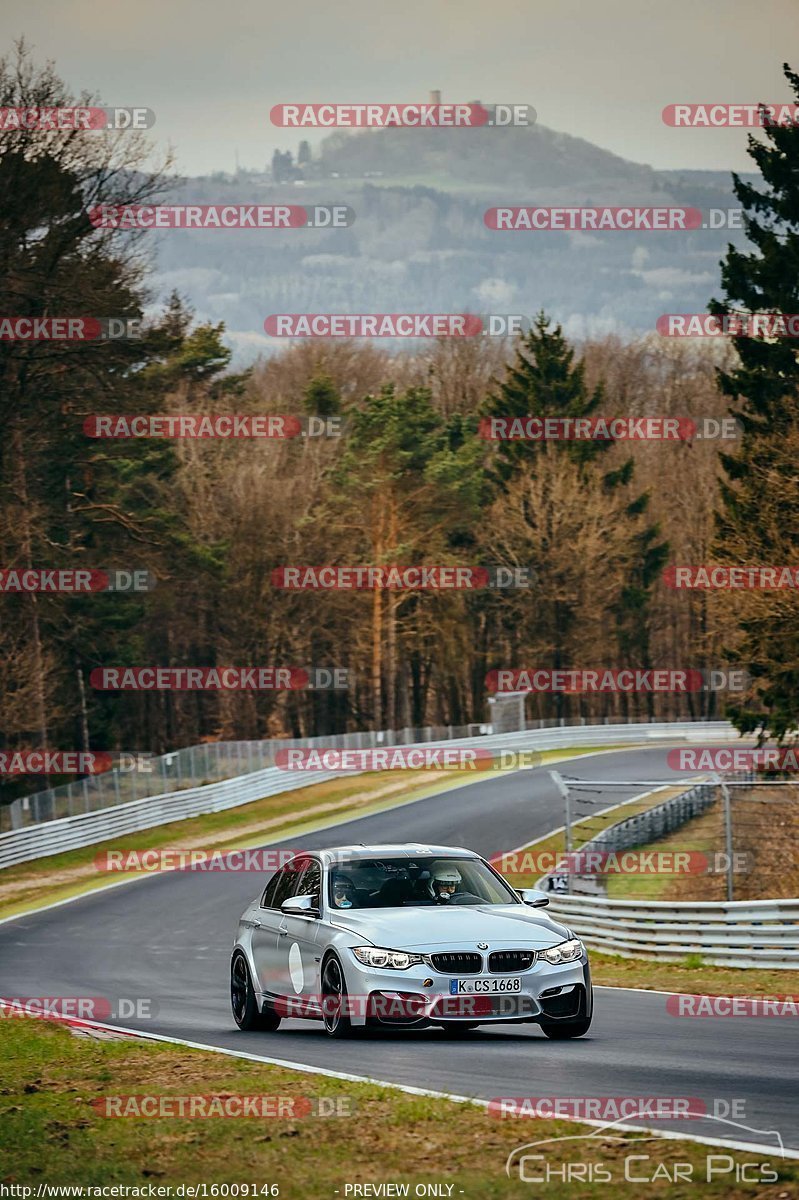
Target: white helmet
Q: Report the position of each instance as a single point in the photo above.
(444, 877)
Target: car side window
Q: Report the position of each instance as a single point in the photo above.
(311, 882)
(269, 891)
(287, 887)
(283, 884)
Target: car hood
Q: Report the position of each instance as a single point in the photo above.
(461, 927)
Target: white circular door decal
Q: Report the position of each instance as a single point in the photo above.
(295, 967)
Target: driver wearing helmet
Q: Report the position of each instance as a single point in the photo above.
(343, 891)
(444, 886)
(444, 883)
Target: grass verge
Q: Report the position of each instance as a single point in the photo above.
(51, 1132)
(691, 976)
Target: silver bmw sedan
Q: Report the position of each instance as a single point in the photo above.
(405, 936)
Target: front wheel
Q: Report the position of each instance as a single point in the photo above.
(334, 1000)
(243, 1000)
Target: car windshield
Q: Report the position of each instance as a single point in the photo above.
(415, 882)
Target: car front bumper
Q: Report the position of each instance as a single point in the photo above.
(422, 996)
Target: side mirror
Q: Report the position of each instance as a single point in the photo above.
(534, 897)
(300, 906)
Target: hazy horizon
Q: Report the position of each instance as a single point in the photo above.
(591, 77)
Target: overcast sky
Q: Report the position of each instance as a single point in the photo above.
(598, 69)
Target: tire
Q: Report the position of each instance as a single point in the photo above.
(243, 1002)
(560, 1030)
(460, 1029)
(334, 1000)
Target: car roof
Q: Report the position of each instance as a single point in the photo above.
(394, 850)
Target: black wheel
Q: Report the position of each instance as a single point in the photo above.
(246, 1013)
(560, 1030)
(458, 1029)
(334, 1000)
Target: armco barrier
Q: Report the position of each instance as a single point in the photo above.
(734, 933)
(641, 829)
(194, 766)
(655, 822)
(85, 829)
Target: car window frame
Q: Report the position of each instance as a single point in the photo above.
(286, 869)
(312, 862)
(272, 880)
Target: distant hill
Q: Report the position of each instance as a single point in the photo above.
(419, 243)
(511, 158)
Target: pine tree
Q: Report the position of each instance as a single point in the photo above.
(321, 397)
(758, 522)
(545, 381)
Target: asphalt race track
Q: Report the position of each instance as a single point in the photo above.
(169, 937)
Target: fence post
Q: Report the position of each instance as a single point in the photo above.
(563, 788)
(725, 791)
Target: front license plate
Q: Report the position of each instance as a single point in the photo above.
(485, 987)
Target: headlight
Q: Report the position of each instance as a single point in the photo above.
(396, 960)
(564, 952)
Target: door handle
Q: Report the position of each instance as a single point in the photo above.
(256, 924)
(283, 932)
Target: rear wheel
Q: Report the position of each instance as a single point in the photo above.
(334, 1000)
(243, 1000)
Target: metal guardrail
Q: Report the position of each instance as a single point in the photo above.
(68, 833)
(144, 776)
(639, 830)
(655, 822)
(192, 766)
(733, 933)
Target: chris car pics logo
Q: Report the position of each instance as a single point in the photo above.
(609, 1154)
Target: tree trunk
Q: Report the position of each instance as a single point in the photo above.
(27, 551)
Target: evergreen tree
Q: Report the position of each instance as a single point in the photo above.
(758, 522)
(545, 381)
(70, 500)
(321, 397)
(410, 488)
